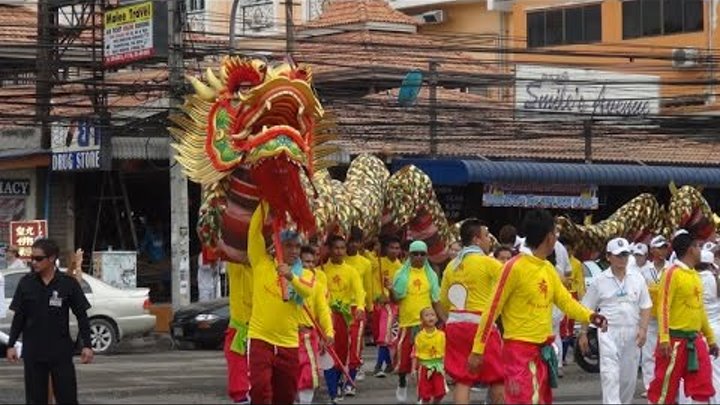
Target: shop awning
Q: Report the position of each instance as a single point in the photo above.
(460, 172)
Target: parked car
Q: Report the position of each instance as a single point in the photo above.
(116, 314)
(201, 324)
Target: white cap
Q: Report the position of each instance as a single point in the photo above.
(680, 232)
(640, 249)
(707, 257)
(658, 242)
(709, 246)
(618, 246)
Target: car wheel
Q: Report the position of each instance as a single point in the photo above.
(589, 362)
(103, 336)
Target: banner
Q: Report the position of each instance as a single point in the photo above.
(569, 197)
(24, 233)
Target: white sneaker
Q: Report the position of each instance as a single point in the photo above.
(401, 394)
(360, 375)
(350, 391)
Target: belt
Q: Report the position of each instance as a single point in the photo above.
(433, 366)
(464, 316)
(689, 337)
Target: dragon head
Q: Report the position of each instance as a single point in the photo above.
(258, 117)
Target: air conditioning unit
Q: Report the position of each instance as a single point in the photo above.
(431, 17)
(685, 58)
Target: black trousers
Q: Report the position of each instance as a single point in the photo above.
(63, 381)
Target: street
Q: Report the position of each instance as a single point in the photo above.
(154, 373)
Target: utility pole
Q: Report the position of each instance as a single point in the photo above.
(289, 27)
(46, 23)
(433, 108)
(587, 134)
(179, 227)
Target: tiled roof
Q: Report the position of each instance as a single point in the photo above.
(475, 126)
(346, 12)
(19, 25)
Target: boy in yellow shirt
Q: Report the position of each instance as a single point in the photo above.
(357, 329)
(415, 286)
(428, 360)
(388, 263)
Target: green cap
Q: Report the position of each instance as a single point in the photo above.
(418, 246)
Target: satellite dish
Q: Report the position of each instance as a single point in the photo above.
(410, 88)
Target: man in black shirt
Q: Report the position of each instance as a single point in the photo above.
(41, 304)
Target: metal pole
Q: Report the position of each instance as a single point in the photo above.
(433, 108)
(233, 15)
(289, 28)
(44, 65)
(587, 134)
(179, 228)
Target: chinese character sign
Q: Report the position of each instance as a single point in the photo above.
(24, 233)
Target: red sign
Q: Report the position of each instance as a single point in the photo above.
(24, 233)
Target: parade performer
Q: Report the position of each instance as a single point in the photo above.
(240, 298)
(415, 286)
(524, 295)
(363, 267)
(388, 263)
(682, 350)
(467, 285)
(622, 296)
(274, 321)
(428, 359)
(711, 299)
(309, 350)
(347, 302)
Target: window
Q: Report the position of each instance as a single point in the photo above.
(85, 287)
(564, 26)
(195, 5)
(643, 18)
(11, 282)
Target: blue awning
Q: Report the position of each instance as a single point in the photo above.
(461, 172)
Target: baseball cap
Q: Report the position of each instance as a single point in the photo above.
(640, 249)
(680, 232)
(707, 257)
(418, 246)
(709, 246)
(618, 246)
(658, 242)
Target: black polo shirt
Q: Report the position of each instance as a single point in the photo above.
(42, 316)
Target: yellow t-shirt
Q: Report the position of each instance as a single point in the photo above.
(653, 283)
(524, 296)
(318, 306)
(273, 320)
(577, 277)
(364, 270)
(344, 285)
(478, 274)
(240, 295)
(681, 304)
(430, 345)
(417, 298)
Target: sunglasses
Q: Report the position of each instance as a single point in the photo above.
(38, 258)
(418, 254)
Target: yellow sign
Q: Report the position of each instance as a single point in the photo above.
(136, 13)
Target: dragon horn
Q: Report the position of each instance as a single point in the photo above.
(203, 91)
(215, 83)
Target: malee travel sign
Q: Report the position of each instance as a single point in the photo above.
(596, 93)
(129, 33)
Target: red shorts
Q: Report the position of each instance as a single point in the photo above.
(357, 330)
(431, 386)
(460, 337)
(309, 375)
(402, 361)
(342, 337)
(273, 373)
(526, 374)
(384, 318)
(666, 382)
(238, 386)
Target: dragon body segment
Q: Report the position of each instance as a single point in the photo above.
(252, 131)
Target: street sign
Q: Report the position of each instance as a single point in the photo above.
(135, 32)
(14, 187)
(24, 233)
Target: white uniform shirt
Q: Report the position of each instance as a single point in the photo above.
(620, 302)
(651, 274)
(710, 297)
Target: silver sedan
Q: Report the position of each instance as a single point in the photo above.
(115, 314)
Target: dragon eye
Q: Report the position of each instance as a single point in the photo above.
(262, 67)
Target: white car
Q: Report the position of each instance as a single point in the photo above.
(115, 314)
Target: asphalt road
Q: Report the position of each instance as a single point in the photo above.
(152, 372)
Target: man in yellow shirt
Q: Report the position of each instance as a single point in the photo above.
(309, 351)
(275, 317)
(415, 286)
(240, 298)
(682, 351)
(467, 284)
(347, 302)
(527, 289)
(388, 263)
(357, 329)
